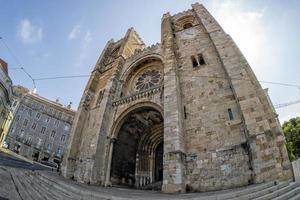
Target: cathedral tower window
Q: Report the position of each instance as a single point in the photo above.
(194, 61)
(230, 114)
(198, 60)
(184, 111)
(201, 59)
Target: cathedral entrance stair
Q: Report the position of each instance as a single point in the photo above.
(49, 185)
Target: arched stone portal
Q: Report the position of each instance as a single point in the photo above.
(137, 159)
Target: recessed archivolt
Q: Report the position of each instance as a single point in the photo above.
(121, 118)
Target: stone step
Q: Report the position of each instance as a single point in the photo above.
(49, 192)
(55, 186)
(248, 190)
(297, 197)
(279, 193)
(263, 192)
(290, 194)
(31, 187)
(153, 186)
(23, 191)
(78, 191)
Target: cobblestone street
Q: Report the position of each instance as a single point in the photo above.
(22, 181)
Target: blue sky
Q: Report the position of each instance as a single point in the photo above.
(57, 38)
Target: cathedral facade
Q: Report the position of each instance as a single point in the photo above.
(186, 114)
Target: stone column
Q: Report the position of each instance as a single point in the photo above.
(174, 150)
(111, 148)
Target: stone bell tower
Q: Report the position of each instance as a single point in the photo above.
(186, 114)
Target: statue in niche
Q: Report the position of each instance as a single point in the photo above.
(100, 97)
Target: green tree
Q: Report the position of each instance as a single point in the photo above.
(291, 131)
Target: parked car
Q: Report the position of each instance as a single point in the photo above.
(50, 164)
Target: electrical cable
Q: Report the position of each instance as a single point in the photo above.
(17, 61)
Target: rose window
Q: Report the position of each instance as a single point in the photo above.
(147, 80)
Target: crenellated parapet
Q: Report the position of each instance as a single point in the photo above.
(153, 49)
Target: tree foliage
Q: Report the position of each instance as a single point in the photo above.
(291, 131)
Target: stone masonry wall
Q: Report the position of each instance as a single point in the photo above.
(220, 129)
(268, 153)
(215, 156)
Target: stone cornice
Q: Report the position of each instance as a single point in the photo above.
(136, 96)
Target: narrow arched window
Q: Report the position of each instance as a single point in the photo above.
(201, 59)
(194, 61)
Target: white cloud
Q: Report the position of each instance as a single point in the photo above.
(87, 38)
(253, 36)
(74, 32)
(85, 48)
(28, 32)
(247, 30)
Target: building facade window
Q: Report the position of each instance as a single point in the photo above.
(47, 119)
(42, 108)
(28, 141)
(38, 115)
(21, 133)
(59, 151)
(39, 143)
(15, 103)
(53, 134)
(37, 106)
(25, 122)
(49, 146)
(12, 129)
(56, 123)
(33, 126)
(43, 129)
(67, 127)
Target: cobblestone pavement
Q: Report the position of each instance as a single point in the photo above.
(21, 181)
(10, 161)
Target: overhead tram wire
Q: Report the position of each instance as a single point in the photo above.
(85, 76)
(215, 77)
(17, 61)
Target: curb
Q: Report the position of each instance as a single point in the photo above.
(9, 152)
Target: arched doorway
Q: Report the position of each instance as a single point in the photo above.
(137, 159)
